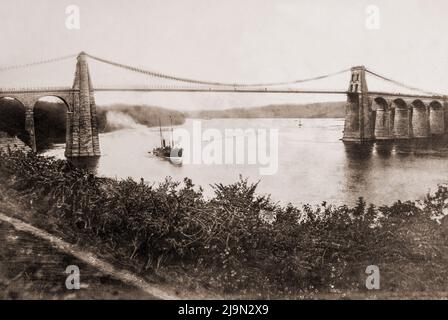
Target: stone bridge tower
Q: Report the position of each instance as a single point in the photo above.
(359, 118)
(82, 128)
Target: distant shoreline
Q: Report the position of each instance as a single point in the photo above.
(280, 117)
(313, 110)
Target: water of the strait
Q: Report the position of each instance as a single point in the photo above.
(314, 165)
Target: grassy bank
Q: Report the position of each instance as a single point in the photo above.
(238, 242)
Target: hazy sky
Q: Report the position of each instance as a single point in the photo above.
(230, 41)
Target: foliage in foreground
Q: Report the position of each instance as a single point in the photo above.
(238, 241)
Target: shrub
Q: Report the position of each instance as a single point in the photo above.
(237, 239)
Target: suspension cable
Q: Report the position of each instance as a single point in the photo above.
(27, 65)
(194, 81)
(212, 83)
(400, 83)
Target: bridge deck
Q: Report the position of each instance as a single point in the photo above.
(222, 90)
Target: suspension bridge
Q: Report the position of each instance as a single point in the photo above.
(370, 115)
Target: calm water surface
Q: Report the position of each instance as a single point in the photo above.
(314, 165)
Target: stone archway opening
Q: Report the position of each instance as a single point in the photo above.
(383, 119)
(50, 122)
(402, 124)
(435, 105)
(420, 120)
(436, 118)
(12, 123)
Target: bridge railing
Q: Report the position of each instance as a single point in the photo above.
(37, 89)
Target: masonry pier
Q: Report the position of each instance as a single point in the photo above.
(371, 116)
(82, 128)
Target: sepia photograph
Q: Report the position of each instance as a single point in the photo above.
(238, 151)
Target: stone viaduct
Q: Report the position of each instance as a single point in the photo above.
(386, 116)
(82, 128)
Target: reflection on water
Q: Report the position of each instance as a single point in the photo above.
(385, 171)
(437, 146)
(358, 151)
(314, 164)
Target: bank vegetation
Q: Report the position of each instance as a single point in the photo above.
(238, 242)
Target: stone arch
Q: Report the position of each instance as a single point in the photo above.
(420, 120)
(399, 104)
(60, 97)
(418, 104)
(401, 128)
(12, 97)
(383, 118)
(436, 118)
(435, 104)
(50, 120)
(14, 123)
(380, 103)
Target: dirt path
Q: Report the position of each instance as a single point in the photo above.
(25, 235)
(33, 264)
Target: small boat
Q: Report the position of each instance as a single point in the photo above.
(300, 123)
(168, 151)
